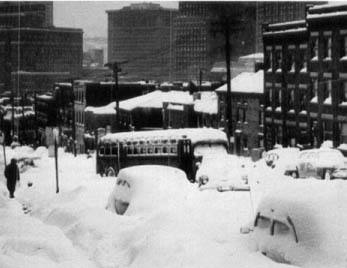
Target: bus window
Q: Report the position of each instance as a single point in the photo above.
(135, 150)
(114, 150)
(150, 150)
(165, 150)
(143, 149)
(107, 150)
(102, 150)
(174, 150)
(129, 150)
(157, 150)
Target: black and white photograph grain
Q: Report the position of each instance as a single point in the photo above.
(173, 134)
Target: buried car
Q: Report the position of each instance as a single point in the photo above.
(141, 189)
(283, 158)
(221, 172)
(320, 163)
(304, 223)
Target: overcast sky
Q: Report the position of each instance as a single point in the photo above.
(90, 15)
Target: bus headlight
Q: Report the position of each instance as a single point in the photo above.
(203, 180)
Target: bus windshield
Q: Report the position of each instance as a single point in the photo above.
(202, 149)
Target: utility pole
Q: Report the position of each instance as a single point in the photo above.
(200, 79)
(228, 115)
(114, 66)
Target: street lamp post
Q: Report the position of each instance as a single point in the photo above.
(56, 136)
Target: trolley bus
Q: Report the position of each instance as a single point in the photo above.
(181, 148)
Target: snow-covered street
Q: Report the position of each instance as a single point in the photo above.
(73, 229)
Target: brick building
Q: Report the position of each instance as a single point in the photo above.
(276, 12)
(287, 84)
(197, 47)
(142, 35)
(306, 78)
(247, 94)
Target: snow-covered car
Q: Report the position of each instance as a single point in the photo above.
(284, 158)
(340, 173)
(320, 163)
(220, 172)
(144, 188)
(303, 223)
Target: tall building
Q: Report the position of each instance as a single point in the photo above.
(33, 53)
(26, 14)
(142, 35)
(198, 39)
(306, 79)
(276, 12)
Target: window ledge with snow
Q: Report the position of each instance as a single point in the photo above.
(303, 112)
(343, 103)
(268, 109)
(327, 101)
(303, 70)
(327, 59)
(278, 109)
(315, 58)
(314, 100)
(291, 111)
(269, 70)
(279, 70)
(344, 58)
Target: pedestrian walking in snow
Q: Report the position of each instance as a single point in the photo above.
(12, 176)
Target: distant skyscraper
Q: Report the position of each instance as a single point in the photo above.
(33, 53)
(197, 47)
(26, 14)
(142, 35)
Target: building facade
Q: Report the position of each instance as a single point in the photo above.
(247, 102)
(26, 14)
(271, 12)
(287, 84)
(306, 79)
(198, 39)
(142, 35)
(33, 53)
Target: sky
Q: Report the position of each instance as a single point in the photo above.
(91, 15)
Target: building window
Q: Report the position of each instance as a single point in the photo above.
(244, 108)
(344, 92)
(343, 46)
(279, 97)
(270, 95)
(278, 60)
(314, 48)
(302, 99)
(314, 97)
(268, 59)
(261, 118)
(291, 61)
(327, 48)
(302, 61)
(291, 99)
(327, 92)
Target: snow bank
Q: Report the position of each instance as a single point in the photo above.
(318, 212)
(199, 230)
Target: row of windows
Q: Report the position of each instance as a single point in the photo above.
(139, 150)
(321, 47)
(295, 61)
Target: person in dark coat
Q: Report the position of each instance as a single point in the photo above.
(12, 176)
